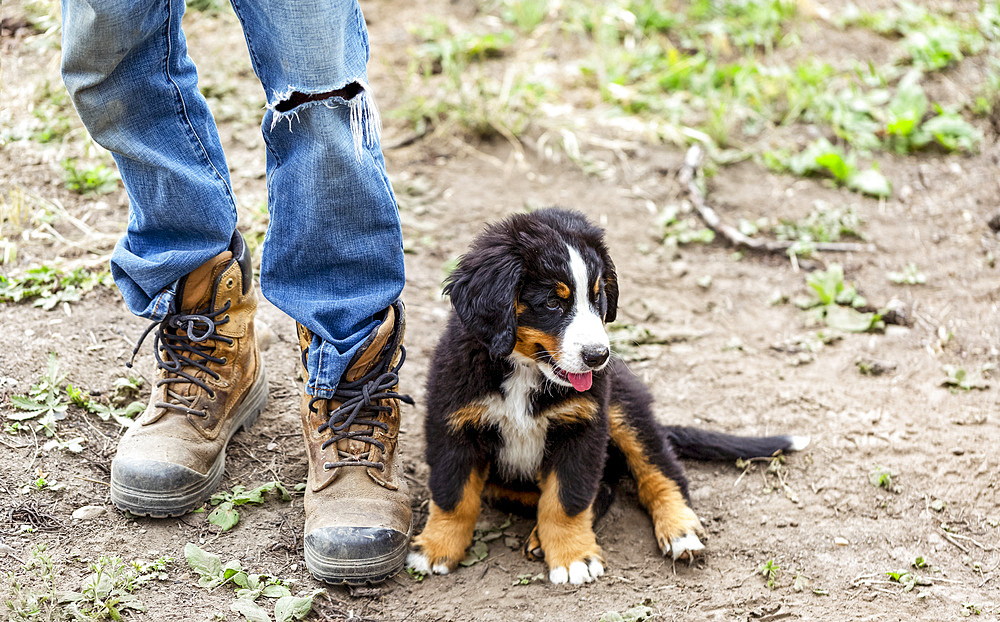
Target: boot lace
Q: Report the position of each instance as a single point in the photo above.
(361, 406)
(180, 350)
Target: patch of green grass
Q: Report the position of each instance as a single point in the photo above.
(226, 516)
(525, 14)
(89, 178)
(53, 112)
(821, 157)
(681, 229)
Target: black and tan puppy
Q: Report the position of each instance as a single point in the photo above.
(525, 404)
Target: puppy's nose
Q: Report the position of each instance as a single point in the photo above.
(595, 356)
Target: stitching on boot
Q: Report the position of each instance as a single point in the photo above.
(365, 120)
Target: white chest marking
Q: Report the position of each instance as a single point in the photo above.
(523, 434)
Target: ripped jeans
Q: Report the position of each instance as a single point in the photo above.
(333, 256)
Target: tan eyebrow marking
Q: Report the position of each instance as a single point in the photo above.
(562, 290)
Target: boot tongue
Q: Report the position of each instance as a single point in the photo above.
(370, 354)
(196, 288)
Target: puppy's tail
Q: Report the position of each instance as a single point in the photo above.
(704, 445)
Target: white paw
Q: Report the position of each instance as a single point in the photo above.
(578, 573)
(559, 575)
(596, 568)
(686, 544)
(418, 561)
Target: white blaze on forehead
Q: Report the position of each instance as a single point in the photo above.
(586, 327)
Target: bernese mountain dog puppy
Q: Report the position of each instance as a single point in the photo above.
(527, 406)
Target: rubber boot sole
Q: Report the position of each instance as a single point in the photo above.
(356, 571)
(164, 504)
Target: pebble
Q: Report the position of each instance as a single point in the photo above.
(88, 512)
(840, 541)
(272, 446)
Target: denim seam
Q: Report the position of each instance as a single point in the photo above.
(187, 119)
(319, 367)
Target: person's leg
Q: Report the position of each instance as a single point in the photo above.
(333, 260)
(126, 67)
(333, 255)
(180, 263)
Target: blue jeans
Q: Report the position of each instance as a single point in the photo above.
(333, 253)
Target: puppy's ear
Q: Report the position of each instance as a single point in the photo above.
(483, 289)
(610, 287)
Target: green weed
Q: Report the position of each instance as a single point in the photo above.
(959, 378)
(677, 229)
(249, 587)
(881, 477)
(836, 303)
(50, 287)
(821, 157)
(823, 224)
(910, 275)
(45, 404)
(226, 516)
(637, 613)
(769, 570)
(94, 178)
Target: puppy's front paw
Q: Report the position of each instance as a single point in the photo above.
(418, 561)
(433, 554)
(578, 572)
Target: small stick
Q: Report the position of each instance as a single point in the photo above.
(689, 177)
(947, 536)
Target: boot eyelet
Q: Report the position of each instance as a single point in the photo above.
(327, 466)
(223, 361)
(211, 395)
(229, 283)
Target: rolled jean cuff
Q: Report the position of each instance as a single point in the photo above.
(159, 306)
(326, 364)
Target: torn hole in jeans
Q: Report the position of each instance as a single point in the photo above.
(365, 122)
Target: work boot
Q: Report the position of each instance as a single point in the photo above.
(356, 504)
(209, 383)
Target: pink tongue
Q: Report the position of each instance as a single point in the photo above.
(581, 382)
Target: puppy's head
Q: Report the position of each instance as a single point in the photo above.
(539, 287)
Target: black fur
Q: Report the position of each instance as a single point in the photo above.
(515, 262)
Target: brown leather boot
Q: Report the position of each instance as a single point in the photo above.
(357, 506)
(209, 384)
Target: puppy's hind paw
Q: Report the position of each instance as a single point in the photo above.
(685, 547)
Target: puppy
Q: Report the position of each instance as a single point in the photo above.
(526, 405)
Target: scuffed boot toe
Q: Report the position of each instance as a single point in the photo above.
(355, 555)
(160, 489)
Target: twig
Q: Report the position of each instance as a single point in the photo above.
(947, 536)
(689, 177)
(92, 481)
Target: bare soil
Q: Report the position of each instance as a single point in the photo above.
(717, 359)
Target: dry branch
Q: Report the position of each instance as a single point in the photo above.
(689, 177)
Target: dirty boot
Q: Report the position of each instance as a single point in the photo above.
(356, 504)
(209, 384)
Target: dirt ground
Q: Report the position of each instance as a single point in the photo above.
(717, 358)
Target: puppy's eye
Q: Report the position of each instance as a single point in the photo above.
(554, 302)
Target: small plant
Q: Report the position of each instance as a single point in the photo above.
(227, 516)
(881, 477)
(823, 224)
(678, 229)
(117, 408)
(837, 303)
(638, 613)
(958, 378)
(45, 403)
(769, 570)
(911, 275)
(96, 178)
(821, 157)
(248, 587)
(527, 579)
